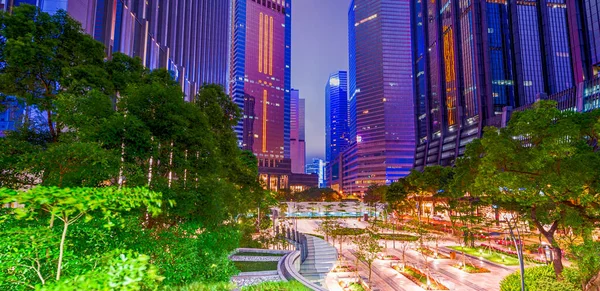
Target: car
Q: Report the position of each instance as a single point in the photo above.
(437, 218)
(507, 241)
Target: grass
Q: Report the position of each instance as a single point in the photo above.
(277, 286)
(256, 254)
(487, 255)
(419, 278)
(471, 269)
(349, 231)
(356, 287)
(398, 236)
(255, 266)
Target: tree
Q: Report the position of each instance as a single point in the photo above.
(544, 163)
(367, 248)
(45, 56)
(70, 205)
(398, 194)
(375, 194)
(429, 184)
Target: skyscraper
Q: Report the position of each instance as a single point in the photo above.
(260, 84)
(297, 142)
(476, 60)
(382, 91)
(592, 24)
(336, 115)
(189, 38)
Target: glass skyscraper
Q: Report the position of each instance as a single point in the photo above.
(336, 115)
(476, 60)
(382, 94)
(297, 135)
(260, 84)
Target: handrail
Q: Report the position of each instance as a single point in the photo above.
(287, 269)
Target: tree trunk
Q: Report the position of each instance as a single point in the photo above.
(61, 250)
(51, 127)
(557, 262)
(593, 284)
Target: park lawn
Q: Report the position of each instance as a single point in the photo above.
(256, 254)
(398, 236)
(356, 287)
(256, 266)
(492, 257)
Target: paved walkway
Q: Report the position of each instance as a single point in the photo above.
(321, 259)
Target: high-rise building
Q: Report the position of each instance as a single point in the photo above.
(260, 84)
(382, 94)
(476, 60)
(189, 38)
(591, 10)
(336, 115)
(297, 142)
(317, 167)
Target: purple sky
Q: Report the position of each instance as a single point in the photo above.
(319, 47)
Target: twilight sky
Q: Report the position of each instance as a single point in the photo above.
(319, 47)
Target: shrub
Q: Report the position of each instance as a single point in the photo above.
(537, 279)
(120, 270)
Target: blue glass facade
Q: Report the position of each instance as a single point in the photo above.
(352, 74)
(336, 115)
(592, 21)
(500, 56)
(381, 94)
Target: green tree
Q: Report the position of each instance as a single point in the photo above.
(45, 56)
(69, 205)
(367, 248)
(544, 164)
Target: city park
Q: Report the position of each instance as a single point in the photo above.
(116, 183)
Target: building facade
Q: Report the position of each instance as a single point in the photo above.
(476, 60)
(260, 84)
(336, 115)
(382, 95)
(297, 135)
(317, 167)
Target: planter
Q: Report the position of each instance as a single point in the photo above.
(470, 268)
(431, 253)
(420, 278)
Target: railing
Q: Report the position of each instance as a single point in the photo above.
(288, 269)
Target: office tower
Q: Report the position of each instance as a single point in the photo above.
(352, 74)
(381, 71)
(297, 142)
(189, 38)
(336, 115)
(260, 84)
(592, 24)
(317, 167)
(477, 60)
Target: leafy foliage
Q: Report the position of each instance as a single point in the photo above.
(111, 143)
(536, 278)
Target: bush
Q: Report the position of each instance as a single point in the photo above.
(120, 270)
(537, 279)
